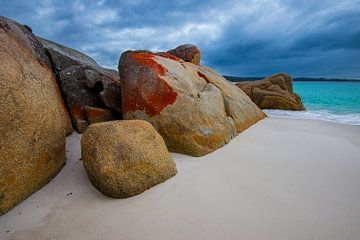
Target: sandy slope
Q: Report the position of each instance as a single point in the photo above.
(280, 179)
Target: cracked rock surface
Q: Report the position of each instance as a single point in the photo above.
(194, 108)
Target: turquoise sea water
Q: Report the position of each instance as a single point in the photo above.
(329, 101)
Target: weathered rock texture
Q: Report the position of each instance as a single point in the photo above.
(187, 52)
(125, 158)
(195, 109)
(275, 92)
(83, 82)
(63, 57)
(33, 118)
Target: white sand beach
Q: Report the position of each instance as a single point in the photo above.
(279, 179)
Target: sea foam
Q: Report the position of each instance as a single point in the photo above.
(325, 115)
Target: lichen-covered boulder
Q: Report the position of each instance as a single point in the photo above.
(83, 82)
(195, 109)
(33, 120)
(125, 158)
(187, 52)
(275, 92)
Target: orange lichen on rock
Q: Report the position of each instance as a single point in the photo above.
(147, 59)
(168, 55)
(95, 115)
(203, 76)
(148, 91)
(78, 112)
(192, 107)
(95, 112)
(78, 115)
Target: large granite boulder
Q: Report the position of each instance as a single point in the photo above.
(83, 82)
(33, 120)
(195, 109)
(125, 158)
(187, 52)
(275, 92)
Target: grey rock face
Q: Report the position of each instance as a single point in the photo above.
(83, 82)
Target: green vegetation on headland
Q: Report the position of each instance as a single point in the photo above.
(296, 79)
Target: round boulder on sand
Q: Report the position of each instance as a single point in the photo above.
(125, 158)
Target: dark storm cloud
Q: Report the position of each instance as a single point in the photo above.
(246, 38)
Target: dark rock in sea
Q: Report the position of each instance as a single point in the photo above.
(195, 109)
(33, 121)
(83, 82)
(125, 158)
(275, 92)
(187, 52)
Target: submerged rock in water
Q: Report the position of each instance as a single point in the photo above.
(195, 109)
(275, 92)
(33, 120)
(125, 158)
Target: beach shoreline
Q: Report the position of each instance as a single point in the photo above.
(279, 179)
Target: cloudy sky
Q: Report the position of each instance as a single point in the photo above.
(236, 37)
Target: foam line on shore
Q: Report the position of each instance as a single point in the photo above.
(324, 115)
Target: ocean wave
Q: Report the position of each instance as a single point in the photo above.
(324, 115)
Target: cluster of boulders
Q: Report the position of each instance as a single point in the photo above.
(194, 108)
(91, 93)
(275, 92)
(131, 119)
